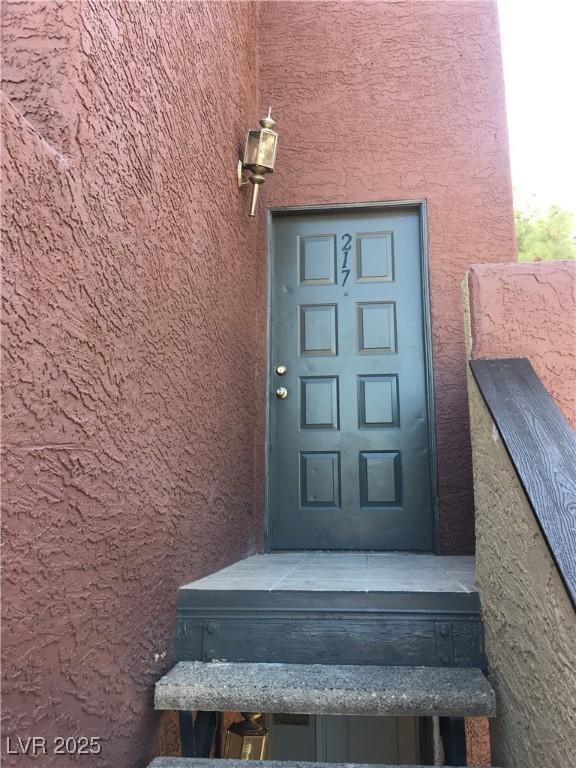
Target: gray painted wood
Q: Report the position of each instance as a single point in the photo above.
(542, 448)
(326, 689)
(398, 640)
(349, 451)
(332, 601)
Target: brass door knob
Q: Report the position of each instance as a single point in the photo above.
(281, 393)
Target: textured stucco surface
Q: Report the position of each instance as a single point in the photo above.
(134, 293)
(40, 64)
(401, 100)
(529, 310)
(530, 625)
(131, 294)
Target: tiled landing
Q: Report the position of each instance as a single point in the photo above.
(344, 572)
(392, 609)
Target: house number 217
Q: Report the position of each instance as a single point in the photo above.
(346, 248)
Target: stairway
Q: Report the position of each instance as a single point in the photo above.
(320, 689)
(262, 636)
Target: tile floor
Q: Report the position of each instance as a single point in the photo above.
(344, 572)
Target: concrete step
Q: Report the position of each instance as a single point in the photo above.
(194, 762)
(326, 689)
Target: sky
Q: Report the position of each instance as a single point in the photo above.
(539, 54)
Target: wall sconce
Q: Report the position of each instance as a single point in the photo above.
(246, 740)
(259, 157)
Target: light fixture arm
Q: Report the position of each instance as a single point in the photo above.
(242, 179)
(256, 179)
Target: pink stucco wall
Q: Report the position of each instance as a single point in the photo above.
(402, 100)
(529, 310)
(40, 59)
(130, 286)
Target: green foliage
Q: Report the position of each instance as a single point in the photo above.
(545, 237)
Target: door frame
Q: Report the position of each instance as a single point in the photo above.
(420, 206)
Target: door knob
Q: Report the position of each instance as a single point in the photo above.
(281, 393)
(281, 369)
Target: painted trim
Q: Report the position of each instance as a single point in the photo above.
(429, 365)
(421, 206)
(335, 207)
(268, 388)
(238, 601)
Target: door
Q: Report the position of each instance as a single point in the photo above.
(346, 739)
(349, 429)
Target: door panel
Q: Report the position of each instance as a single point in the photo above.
(345, 739)
(349, 446)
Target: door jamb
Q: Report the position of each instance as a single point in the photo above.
(421, 206)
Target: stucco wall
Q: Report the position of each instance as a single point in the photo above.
(530, 625)
(130, 339)
(529, 310)
(134, 293)
(40, 61)
(401, 100)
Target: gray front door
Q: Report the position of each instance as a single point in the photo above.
(349, 443)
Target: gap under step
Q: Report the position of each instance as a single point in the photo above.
(326, 689)
(195, 762)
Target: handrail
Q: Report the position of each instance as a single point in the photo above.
(542, 448)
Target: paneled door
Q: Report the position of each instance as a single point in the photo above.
(349, 459)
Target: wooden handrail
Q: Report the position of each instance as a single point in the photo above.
(542, 448)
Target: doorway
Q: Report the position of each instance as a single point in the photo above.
(349, 450)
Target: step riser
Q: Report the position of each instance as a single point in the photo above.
(452, 641)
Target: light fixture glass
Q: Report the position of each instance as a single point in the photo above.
(259, 157)
(247, 739)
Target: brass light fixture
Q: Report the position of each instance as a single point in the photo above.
(259, 157)
(247, 739)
